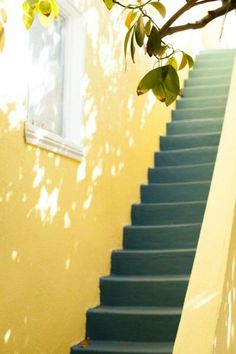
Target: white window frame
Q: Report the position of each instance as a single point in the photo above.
(70, 144)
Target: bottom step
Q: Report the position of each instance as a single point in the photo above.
(102, 347)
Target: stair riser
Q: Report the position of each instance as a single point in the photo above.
(152, 264)
(189, 141)
(206, 91)
(186, 103)
(168, 214)
(201, 73)
(219, 80)
(76, 350)
(143, 293)
(210, 126)
(202, 63)
(183, 174)
(161, 238)
(128, 327)
(189, 114)
(187, 157)
(175, 193)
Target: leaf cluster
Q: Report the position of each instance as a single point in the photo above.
(46, 10)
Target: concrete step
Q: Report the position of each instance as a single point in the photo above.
(175, 192)
(152, 262)
(211, 72)
(203, 61)
(185, 157)
(183, 141)
(216, 112)
(223, 79)
(145, 324)
(194, 126)
(161, 237)
(201, 102)
(205, 91)
(168, 213)
(188, 173)
(143, 290)
(111, 347)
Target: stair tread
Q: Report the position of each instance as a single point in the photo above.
(183, 166)
(146, 278)
(200, 108)
(199, 148)
(195, 120)
(177, 184)
(160, 226)
(202, 97)
(137, 310)
(202, 134)
(178, 250)
(127, 347)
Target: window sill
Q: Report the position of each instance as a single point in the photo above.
(52, 142)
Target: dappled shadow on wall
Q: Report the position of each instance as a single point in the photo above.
(225, 340)
(60, 218)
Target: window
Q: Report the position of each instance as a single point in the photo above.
(55, 75)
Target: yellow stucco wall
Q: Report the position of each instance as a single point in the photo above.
(60, 219)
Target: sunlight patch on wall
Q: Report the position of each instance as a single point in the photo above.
(7, 336)
(67, 220)
(14, 255)
(47, 204)
(81, 171)
(201, 300)
(40, 172)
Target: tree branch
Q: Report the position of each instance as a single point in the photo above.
(203, 22)
(173, 18)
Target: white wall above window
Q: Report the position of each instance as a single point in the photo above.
(54, 97)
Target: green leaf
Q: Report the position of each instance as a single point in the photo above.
(171, 80)
(148, 27)
(151, 80)
(45, 7)
(159, 7)
(172, 61)
(184, 61)
(127, 37)
(190, 60)
(132, 48)
(130, 18)
(109, 4)
(140, 31)
(154, 42)
(159, 92)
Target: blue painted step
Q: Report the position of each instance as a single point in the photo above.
(186, 156)
(204, 62)
(111, 347)
(175, 192)
(216, 112)
(161, 237)
(165, 290)
(199, 126)
(205, 91)
(195, 102)
(168, 213)
(137, 324)
(152, 262)
(209, 72)
(182, 141)
(223, 79)
(175, 174)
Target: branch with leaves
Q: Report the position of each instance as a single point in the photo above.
(143, 31)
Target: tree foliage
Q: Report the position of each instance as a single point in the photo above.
(143, 30)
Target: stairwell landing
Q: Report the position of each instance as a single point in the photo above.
(142, 299)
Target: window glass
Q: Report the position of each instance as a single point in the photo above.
(46, 76)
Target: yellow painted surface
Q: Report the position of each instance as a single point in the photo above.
(208, 321)
(60, 219)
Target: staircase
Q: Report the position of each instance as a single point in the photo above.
(142, 299)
